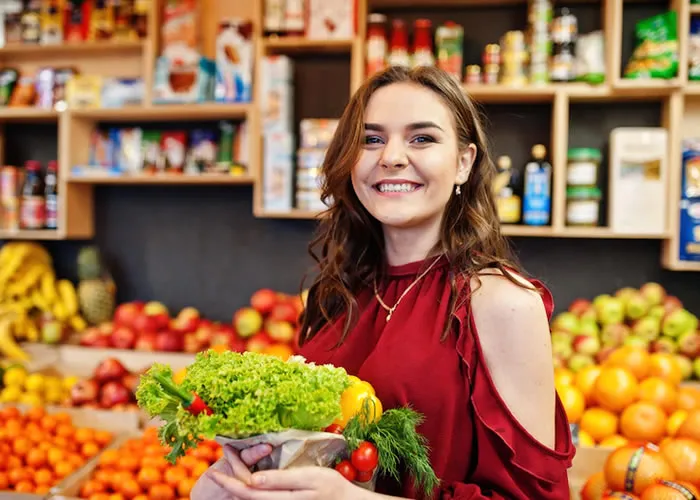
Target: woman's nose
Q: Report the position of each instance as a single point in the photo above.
(394, 154)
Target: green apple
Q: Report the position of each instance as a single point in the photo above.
(614, 335)
(585, 344)
(52, 332)
(625, 293)
(611, 311)
(578, 362)
(636, 306)
(686, 365)
(567, 322)
(589, 326)
(657, 312)
(648, 328)
(679, 322)
(600, 299)
(562, 347)
(654, 293)
(637, 341)
(689, 344)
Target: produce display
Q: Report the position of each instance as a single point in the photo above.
(34, 389)
(34, 305)
(634, 396)
(261, 396)
(269, 325)
(669, 471)
(647, 317)
(138, 470)
(38, 450)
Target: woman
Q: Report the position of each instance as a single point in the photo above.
(417, 293)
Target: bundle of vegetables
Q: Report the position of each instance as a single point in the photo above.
(243, 399)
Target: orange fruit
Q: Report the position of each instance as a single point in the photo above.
(184, 488)
(634, 359)
(563, 377)
(615, 389)
(651, 467)
(594, 487)
(675, 421)
(161, 492)
(688, 398)
(690, 428)
(282, 351)
(643, 422)
(684, 457)
(585, 382)
(585, 439)
(614, 442)
(660, 392)
(665, 366)
(574, 402)
(598, 423)
(670, 490)
(616, 495)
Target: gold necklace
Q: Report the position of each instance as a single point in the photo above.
(390, 310)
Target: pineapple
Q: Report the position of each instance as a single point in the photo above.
(96, 290)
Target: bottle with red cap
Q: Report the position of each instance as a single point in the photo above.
(32, 202)
(51, 195)
(422, 43)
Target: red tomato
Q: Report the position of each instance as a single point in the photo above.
(334, 429)
(346, 470)
(365, 457)
(365, 476)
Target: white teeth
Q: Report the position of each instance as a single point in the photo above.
(397, 188)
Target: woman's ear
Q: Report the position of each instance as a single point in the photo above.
(466, 161)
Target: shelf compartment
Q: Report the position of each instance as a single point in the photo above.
(163, 180)
(291, 214)
(31, 234)
(495, 94)
(303, 45)
(27, 114)
(163, 112)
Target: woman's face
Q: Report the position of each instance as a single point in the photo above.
(410, 162)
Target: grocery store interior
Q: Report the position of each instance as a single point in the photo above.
(159, 187)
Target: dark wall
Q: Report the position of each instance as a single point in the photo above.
(201, 246)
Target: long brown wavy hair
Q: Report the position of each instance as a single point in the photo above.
(349, 244)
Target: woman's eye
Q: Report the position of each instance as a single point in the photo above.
(372, 139)
(423, 139)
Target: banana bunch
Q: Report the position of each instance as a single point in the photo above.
(29, 288)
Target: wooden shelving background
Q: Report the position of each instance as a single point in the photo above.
(680, 101)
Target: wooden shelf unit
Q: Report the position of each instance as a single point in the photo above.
(680, 100)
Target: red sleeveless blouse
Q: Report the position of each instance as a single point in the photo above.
(478, 449)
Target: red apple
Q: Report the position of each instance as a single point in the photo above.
(221, 336)
(580, 306)
(114, 393)
(146, 342)
(84, 392)
(131, 381)
(186, 321)
(123, 337)
(279, 331)
(237, 344)
(106, 328)
(264, 300)
(109, 369)
(93, 337)
(284, 311)
(258, 342)
(159, 313)
(204, 333)
(247, 322)
(170, 342)
(190, 344)
(671, 303)
(126, 314)
(145, 323)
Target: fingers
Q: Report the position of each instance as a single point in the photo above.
(240, 491)
(205, 488)
(254, 454)
(299, 478)
(239, 469)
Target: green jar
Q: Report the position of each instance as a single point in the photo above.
(583, 166)
(583, 205)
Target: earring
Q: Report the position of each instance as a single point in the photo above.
(458, 190)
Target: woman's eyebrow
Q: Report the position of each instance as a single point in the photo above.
(411, 126)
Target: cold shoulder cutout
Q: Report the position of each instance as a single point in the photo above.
(478, 448)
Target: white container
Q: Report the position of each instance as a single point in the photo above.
(638, 179)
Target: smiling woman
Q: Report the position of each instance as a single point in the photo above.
(418, 294)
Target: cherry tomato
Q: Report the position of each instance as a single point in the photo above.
(346, 470)
(364, 476)
(365, 457)
(334, 429)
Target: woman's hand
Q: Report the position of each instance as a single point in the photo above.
(234, 464)
(302, 483)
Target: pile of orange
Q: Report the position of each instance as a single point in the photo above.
(633, 396)
(38, 450)
(137, 470)
(670, 471)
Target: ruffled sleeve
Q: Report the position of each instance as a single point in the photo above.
(511, 464)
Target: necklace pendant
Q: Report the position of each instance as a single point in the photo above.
(388, 316)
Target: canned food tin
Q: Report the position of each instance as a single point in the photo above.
(492, 54)
(310, 158)
(309, 179)
(473, 74)
(309, 199)
(491, 73)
